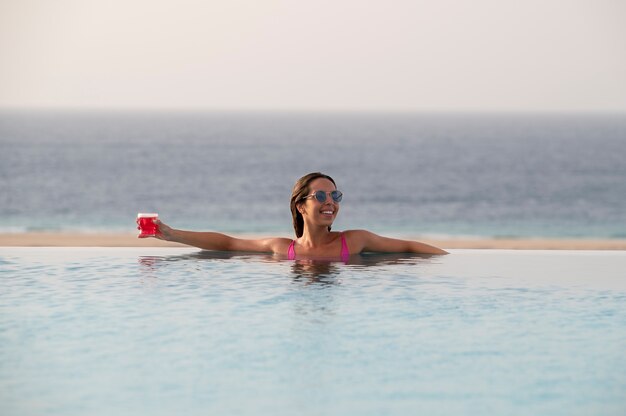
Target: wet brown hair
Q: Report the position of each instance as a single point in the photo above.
(300, 190)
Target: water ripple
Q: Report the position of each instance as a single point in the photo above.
(116, 328)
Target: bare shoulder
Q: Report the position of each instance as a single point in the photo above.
(279, 244)
(357, 239)
(359, 234)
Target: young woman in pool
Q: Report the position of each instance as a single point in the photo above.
(314, 206)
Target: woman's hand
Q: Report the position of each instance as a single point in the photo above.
(164, 232)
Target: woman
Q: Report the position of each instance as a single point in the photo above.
(314, 206)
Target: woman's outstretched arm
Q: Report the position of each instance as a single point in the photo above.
(364, 241)
(221, 242)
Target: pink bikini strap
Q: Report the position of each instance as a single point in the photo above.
(291, 253)
(345, 252)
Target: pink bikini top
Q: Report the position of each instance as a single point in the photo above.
(345, 252)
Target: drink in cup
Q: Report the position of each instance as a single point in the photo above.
(146, 225)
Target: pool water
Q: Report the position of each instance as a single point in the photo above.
(160, 331)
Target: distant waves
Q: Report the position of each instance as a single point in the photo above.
(447, 175)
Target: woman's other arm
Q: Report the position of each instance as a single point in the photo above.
(364, 241)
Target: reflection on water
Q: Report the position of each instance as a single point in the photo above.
(378, 259)
(315, 271)
(202, 255)
(365, 259)
(308, 270)
(151, 264)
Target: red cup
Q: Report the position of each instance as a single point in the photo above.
(146, 225)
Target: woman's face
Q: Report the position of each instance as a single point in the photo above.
(320, 213)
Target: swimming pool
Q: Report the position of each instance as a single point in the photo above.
(179, 331)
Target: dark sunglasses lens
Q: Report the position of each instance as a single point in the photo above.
(320, 196)
(336, 195)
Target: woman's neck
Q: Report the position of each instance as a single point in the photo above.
(314, 237)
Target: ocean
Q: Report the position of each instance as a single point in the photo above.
(482, 175)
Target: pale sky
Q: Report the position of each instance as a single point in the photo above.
(393, 55)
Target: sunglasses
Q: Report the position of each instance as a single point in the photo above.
(321, 196)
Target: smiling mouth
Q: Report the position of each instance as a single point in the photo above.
(328, 212)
